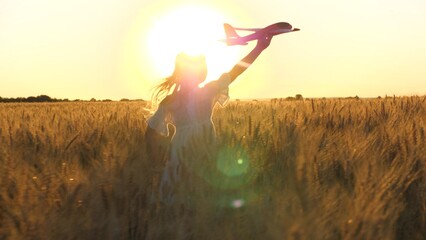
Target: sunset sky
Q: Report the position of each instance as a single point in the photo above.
(120, 49)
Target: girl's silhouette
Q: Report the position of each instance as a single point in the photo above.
(189, 108)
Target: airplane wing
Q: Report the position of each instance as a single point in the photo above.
(248, 29)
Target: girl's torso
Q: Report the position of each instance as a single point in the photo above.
(191, 115)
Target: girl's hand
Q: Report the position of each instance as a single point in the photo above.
(263, 42)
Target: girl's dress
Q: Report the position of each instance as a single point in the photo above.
(193, 142)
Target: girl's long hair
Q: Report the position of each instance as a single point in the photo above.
(172, 83)
(163, 89)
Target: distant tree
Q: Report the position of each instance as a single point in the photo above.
(290, 98)
(93, 100)
(43, 98)
(299, 97)
(107, 100)
(124, 100)
(31, 99)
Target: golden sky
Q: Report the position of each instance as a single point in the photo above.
(120, 49)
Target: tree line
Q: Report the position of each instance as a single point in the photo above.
(45, 98)
(40, 98)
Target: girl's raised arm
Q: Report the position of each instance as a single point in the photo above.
(241, 66)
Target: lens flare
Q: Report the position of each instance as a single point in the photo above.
(232, 162)
(231, 168)
(237, 203)
(245, 196)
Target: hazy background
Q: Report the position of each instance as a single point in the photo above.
(98, 48)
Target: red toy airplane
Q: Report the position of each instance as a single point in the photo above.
(232, 38)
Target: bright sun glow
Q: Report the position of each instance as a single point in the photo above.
(194, 30)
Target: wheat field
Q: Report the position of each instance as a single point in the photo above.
(313, 169)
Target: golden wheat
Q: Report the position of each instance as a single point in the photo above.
(314, 169)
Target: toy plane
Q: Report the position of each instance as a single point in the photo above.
(232, 38)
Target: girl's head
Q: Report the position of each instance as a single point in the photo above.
(189, 72)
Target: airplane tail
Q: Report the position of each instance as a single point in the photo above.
(230, 31)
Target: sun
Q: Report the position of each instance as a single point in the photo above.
(194, 30)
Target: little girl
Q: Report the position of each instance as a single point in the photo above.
(189, 108)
